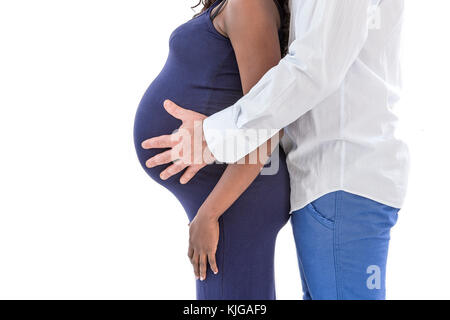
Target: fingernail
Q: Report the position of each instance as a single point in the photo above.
(202, 279)
(216, 272)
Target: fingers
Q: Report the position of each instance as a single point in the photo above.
(174, 169)
(195, 261)
(175, 110)
(212, 263)
(190, 173)
(202, 266)
(162, 158)
(200, 263)
(167, 141)
(190, 252)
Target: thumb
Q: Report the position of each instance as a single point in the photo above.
(175, 110)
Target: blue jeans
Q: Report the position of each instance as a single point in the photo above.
(342, 244)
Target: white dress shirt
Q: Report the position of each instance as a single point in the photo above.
(334, 94)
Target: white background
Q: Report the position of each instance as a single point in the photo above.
(78, 216)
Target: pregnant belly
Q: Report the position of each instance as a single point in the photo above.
(152, 120)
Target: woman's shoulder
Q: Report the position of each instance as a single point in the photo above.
(251, 7)
(251, 12)
(252, 4)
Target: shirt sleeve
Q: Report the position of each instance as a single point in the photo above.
(329, 35)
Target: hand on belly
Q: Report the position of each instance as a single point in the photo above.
(185, 150)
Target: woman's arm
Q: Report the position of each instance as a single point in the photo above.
(252, 26)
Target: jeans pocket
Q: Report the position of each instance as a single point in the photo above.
(323, 220)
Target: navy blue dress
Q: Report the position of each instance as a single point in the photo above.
(201, 74)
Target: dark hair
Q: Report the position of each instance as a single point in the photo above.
(285, 20)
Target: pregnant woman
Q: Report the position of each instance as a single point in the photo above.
(214, 60)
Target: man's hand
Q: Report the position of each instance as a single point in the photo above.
(203, 241)
(188, 148)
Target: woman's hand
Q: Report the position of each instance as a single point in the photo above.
(203, 241)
